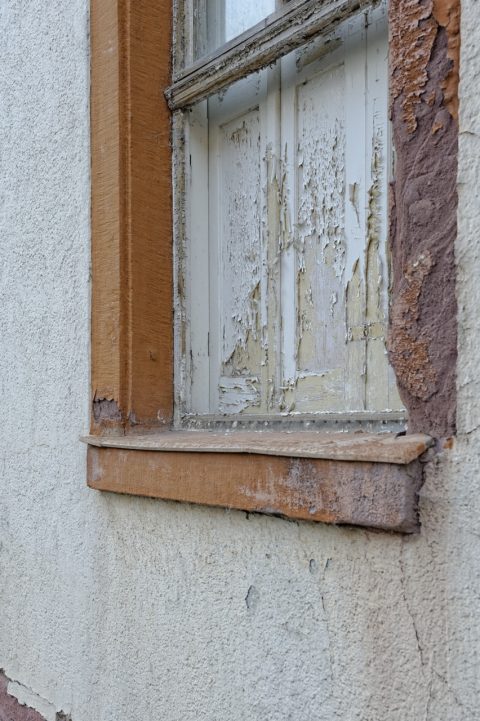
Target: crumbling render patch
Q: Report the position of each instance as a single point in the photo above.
(17, 703)
(413, 30)
(106, 409)
(424, 80)
(412, 33)
(418, 378)
(10, 709)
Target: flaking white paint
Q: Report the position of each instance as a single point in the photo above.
(124, 609)
(287, 230)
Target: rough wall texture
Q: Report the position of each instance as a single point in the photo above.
(123, 609)
(423, 337)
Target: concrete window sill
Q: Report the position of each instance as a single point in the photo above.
(362, 479)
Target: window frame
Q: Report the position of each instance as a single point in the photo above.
(288, 28)
(132, 319)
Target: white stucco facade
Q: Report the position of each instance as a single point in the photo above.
(121, 609)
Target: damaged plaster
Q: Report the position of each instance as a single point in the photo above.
(19, 703)
(128, 609)
(11, 709)
(423, 221)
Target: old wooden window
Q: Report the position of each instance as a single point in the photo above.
(136, 444)
(281, 184)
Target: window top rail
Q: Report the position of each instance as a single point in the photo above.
(259, 46)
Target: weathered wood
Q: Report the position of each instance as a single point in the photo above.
(132, 377)
(267, 41)
(132, 302)
(374, 495)
(365, 447)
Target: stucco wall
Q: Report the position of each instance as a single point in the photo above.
(121, 609)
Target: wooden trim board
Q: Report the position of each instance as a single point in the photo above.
(367, 447)
(372, 495)
(132, 355)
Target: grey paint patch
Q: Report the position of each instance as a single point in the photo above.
(252, 598)
(106, 410)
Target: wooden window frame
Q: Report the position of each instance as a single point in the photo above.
(132, 319)
(278, 34)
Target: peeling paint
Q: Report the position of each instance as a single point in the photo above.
(320, 236)
(412, 34)
(296, 327)
(353, 189)
(447, 14)
(237, 394)
(375, 283)
(241, 230)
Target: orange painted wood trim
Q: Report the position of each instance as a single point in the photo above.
(373, 495)
(132, 297)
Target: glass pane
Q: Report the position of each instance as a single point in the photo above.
(239, 16)
(218, 21)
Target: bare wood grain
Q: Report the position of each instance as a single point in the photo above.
(366, 447)
(374, 495)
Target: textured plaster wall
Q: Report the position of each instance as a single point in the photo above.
(121, 609)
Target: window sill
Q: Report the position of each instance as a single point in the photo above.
(363, 479)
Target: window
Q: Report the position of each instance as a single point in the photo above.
(356, 478)
(282, 179)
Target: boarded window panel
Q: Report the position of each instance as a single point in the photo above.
(238, 316)
(380, 384)
(320, 246)
(316, 99)
(192, 347)
(241, 262)
(356, 167)
(294, 172)
(337, 158)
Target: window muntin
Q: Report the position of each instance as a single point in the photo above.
(285, 272)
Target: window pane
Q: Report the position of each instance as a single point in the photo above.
(241, 16)
(218, 21)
